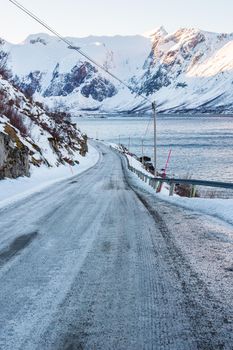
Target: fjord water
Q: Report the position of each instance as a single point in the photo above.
(202, 146)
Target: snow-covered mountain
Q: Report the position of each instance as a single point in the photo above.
(189, 70)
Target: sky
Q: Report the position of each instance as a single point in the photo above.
(111, 17)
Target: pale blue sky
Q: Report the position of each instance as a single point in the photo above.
(110, 17)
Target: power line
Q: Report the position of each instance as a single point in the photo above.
(70, 45)
(147, 128)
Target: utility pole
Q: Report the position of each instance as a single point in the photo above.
(155, 138)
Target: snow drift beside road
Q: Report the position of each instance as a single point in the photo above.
(219, 208)
(216, 207)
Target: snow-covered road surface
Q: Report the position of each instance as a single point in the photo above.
(96, 263)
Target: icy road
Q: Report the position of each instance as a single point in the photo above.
(95, 262)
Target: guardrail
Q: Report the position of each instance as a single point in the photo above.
(158, 181)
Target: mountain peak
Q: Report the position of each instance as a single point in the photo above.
(159, 31)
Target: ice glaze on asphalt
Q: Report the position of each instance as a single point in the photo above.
(95, 262)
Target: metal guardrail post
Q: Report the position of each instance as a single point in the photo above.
(172, 189)
(157, 184)
(193, 191)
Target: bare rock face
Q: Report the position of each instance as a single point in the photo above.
(84, 147)
(30, 84)
(99, 89)
(82, 76)
(14, 158)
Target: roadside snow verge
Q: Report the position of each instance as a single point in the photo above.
(216, 207)
(12, 190)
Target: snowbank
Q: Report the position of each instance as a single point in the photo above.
(218, 208)
(16, 189)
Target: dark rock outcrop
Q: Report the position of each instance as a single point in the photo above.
(84, 77)
(14, 159)
(154, 81)
(38, 41)
(65, 84)
(29, 84)
(99, 89)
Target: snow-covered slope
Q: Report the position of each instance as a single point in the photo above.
(186, 70)
(35, 136)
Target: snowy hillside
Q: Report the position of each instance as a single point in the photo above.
(189, 70)
(30, 136)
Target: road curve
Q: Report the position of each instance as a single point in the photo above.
(90, 264)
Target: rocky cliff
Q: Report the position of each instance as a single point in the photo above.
(14, 160)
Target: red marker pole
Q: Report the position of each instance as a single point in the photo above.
(165, 170)
(155, 138)
(167, 163)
